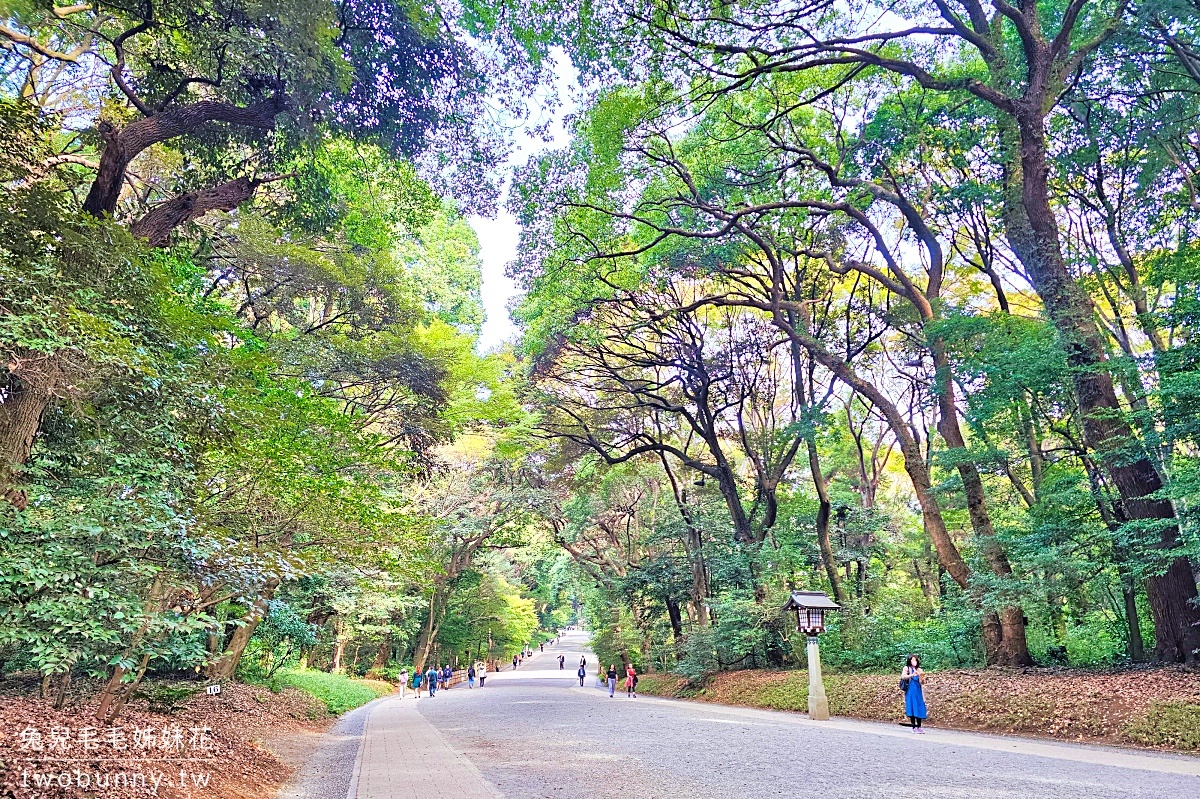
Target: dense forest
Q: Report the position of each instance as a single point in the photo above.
(897, 302)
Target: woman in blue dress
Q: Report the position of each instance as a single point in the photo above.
(914, 695)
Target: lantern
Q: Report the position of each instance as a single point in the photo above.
(810, 607)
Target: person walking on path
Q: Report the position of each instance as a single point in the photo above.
(562, 659)
(911, 679)
(403, 680)
(482, 673)
(447, 675)
(417, 679)
(612, 679)
(515, 659)
(630, 682)
(431, 681)
(583, 661)
(542, 647)
(582, 673)
(471, 676)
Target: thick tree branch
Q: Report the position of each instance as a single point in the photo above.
(123, 145)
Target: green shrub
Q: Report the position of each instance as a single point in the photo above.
(339, 692)
(1174, 724)
(1094, 644)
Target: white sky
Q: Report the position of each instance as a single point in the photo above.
(498, 236)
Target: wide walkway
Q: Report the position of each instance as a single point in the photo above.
(534, 733)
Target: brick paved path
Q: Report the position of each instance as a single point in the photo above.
(403, 756)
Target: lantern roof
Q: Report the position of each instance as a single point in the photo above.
(803, 600)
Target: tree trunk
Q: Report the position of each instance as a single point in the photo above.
(824, 511)
(1032, 231)
(1133, 624)
(1004, 633)
(382, 655)
(676, 618)
(122, 146)
(437, 607)
(22, 403)
(223, 668)
(914, 461)
(156, 226)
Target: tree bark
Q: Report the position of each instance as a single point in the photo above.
(156, 226)
(225, 666)
(433, 621)
(122, 146)
(699, 576)
(383, 653)
(22, 403)
(1133, 625)
(675, 616)
(824, 511)
(1032, 231)
(914, 461)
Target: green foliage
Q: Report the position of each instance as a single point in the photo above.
(1094, 644)
(1174, 724)
(276, 642)
(882, 639)
(339, 692)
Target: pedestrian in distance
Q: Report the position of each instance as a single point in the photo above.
(471, 676)
(630, 682)
(431, 681)
(583, 660)
(482, 673)
(582, 673)
(612, 679)
(403, 680)
(911, 679)
(562, 659)
(418, 678)
(542, 647)
(515, 661)
(447, 675)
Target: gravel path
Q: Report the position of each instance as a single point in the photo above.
(328, 768)
(535, 733)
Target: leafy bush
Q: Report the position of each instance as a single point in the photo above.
(1094, 644)
(1174, 724)
(882, 639)
(276, 642)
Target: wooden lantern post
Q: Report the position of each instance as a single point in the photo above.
(810, 607)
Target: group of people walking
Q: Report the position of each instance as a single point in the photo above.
(437, 679)
(631, 680)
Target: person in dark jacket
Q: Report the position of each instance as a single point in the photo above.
(431, 681)
(582, 673)
(612, 679)
(471, 676)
